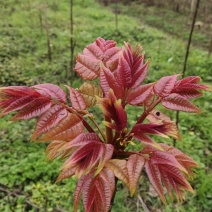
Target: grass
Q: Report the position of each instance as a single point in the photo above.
(172, 22)
(24, 60)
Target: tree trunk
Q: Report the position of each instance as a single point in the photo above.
(70, 72)
(116, 15)
(47, 35)
(193, 5)
(210, 48)
(40, 20)
(186, 55)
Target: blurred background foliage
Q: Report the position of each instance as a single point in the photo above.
(35, 48)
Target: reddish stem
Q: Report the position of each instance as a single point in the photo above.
(97, 126)
(116, 136)
(146, 112)
(85, 123)
(124, 155)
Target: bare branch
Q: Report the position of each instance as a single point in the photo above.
(14, 194)
(186, 56)
(143, 204)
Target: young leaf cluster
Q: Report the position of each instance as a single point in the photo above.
(98, 158)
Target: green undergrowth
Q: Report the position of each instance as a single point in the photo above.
(175, 23)
(24, 60)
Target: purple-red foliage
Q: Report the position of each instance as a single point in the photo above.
(99, 158)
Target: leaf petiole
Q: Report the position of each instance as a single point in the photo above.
(146, 112)
(97, 126)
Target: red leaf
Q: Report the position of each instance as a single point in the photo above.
(87, 138)
(88, 68)
(139, 95)
(155, 116)
(107, 179)
(49, 120)
(188, 87)
(121, 116)
(146, 140)
(182, 158)
(177, 102)
(111, 57)
(16, 104)
(164, 130)
(187, 162)
(69, 128)
(124, 75)
(171, 185)
(52, 90)
(4, 103)
(108, 81)
(98, 196)
(165, 158)
(136, 51)
(90, 196)
(190, 90)
(89, 91)
(108, 176)
(89, 161)
(88, 63)
(54, 149)
(169, 172)
(130, 72)
(66, 174)
(154, 176)
(85, 151)
(149, 100)
(85, 157)
(15, 98)
(97, 192)
(168, 183)
(104, 45)
(135, 164)
(76, 99)
(83, 139)
(168, 127)
(107, 155)
(113, 109)
(150, 149)
(119, 168)
(18, 91)
(190, 79)
(188, 93)
(111, 52)
(33, 109)
(164, 86)
(177, 176)
(93, 51)
(83, 182)
(140, 71)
